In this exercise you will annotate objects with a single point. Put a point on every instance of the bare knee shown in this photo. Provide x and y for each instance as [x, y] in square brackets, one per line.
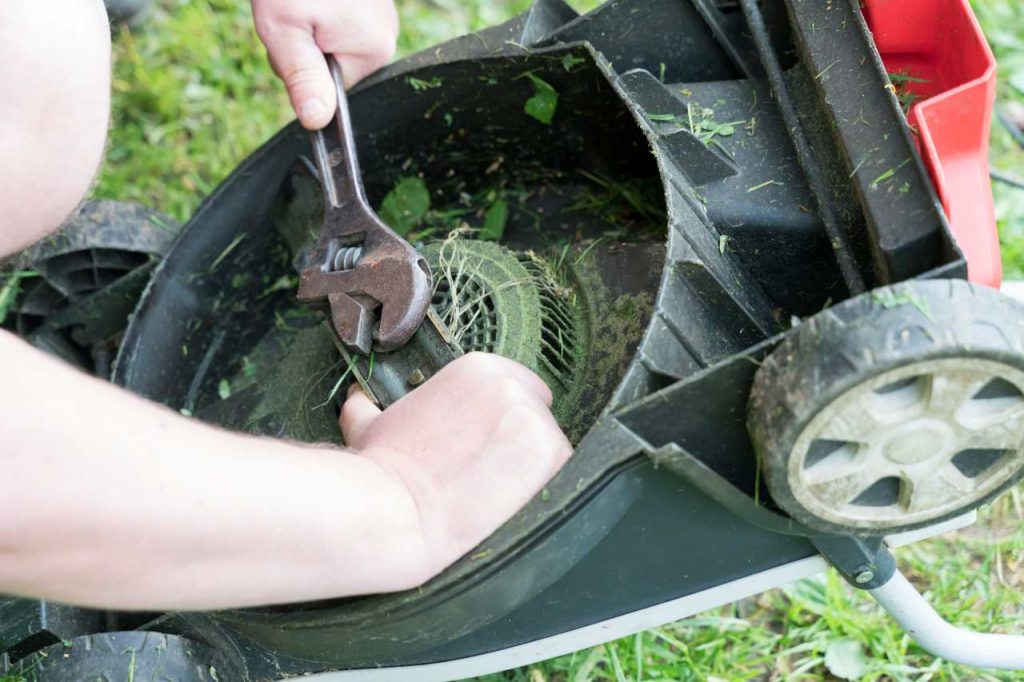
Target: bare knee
[54, 111]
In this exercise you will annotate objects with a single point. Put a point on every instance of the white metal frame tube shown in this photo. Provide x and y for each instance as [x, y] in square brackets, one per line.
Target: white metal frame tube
[906, 605]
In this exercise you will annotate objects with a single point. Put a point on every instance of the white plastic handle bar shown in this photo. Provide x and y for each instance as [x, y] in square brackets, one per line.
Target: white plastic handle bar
[919, 619]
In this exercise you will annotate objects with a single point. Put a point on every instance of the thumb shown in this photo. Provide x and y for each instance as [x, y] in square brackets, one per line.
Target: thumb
[295, 57]
[357, 414]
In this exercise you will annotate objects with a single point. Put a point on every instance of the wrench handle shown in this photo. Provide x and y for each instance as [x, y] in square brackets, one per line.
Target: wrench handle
[342, 180]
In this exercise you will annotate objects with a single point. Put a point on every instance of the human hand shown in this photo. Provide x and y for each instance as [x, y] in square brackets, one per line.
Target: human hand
[472, 446]
[361, 35]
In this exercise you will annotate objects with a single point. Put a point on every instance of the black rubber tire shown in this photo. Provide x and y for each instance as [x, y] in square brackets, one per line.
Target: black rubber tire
[118, 243]
[863, 338]
[122, 656]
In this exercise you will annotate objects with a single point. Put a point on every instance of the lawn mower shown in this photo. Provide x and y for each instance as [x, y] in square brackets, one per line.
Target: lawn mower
[750, 246]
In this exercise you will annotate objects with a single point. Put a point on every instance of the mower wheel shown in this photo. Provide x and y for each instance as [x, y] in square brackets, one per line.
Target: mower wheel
[123, 656]
[895, 409]
[72, 294]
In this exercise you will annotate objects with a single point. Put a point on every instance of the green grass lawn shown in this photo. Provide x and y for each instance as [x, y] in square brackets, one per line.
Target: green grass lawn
[193, 96]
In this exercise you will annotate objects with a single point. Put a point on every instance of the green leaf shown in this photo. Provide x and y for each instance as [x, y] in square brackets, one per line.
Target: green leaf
[544, 102]
[905, 77]
[845, 658]
[283, 283]
[405, 205]
[570, 62]
[494, 221]
[10, 288]
[224, 389]
[419, 85]
[8, 294]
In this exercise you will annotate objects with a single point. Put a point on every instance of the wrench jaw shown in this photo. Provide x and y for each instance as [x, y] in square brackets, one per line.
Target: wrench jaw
[377, 305]
[353, 322]
[405, 297]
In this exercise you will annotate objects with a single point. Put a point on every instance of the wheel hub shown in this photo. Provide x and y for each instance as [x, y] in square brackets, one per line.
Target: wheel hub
[920, 440]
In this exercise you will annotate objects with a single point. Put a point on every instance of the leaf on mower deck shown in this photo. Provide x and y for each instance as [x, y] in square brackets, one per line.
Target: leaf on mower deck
[405, 205]
[494, 221]
[10, 287]
[845, 658]
[544, 102]
[570, 62]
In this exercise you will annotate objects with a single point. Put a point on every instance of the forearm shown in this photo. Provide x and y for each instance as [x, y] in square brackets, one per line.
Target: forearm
[111, 500]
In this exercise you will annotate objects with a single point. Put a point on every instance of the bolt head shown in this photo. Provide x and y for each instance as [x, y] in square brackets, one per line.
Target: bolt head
[864, 577]
[416, 378]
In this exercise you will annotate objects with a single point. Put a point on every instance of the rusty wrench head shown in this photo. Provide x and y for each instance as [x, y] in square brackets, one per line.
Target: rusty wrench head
[375, 283]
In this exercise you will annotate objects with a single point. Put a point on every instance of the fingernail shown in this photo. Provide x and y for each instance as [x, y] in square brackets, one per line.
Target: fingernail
[311, 110]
